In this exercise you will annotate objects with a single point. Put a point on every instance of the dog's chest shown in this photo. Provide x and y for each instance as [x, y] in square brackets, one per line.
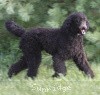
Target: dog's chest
[70, 47]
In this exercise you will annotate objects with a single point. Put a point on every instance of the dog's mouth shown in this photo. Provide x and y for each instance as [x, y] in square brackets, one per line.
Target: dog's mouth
[83, 30]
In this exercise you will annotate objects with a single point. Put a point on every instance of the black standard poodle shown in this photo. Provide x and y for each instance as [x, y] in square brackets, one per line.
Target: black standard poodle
[62, 43]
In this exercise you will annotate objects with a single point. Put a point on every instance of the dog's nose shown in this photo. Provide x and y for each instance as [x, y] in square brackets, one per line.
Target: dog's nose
[83, 25]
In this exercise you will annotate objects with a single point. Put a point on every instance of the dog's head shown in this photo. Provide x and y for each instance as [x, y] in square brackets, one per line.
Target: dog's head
[79, 21]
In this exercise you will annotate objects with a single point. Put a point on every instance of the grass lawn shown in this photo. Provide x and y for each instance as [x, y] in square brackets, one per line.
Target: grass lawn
[74, 83]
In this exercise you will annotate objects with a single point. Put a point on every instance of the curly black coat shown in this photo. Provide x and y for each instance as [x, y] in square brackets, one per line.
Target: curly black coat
[63, 43]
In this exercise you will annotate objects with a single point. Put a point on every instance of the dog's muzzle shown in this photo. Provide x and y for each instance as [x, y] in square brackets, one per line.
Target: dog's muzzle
[83, 28]
[83, 31]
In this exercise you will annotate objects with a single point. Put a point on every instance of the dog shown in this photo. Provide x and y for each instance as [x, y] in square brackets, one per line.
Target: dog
[62, 43]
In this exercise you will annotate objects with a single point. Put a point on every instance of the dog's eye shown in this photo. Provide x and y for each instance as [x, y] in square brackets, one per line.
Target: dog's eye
[87, 23]
[78, 21]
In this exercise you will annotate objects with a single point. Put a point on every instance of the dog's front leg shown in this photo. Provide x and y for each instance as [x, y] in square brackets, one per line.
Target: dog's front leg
[59, 66]
[83, 65]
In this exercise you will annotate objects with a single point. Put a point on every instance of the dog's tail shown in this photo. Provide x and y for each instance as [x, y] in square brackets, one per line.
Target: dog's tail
[14, 28]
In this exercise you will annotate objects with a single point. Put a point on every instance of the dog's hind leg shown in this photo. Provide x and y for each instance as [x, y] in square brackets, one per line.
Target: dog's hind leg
[33, 64]
[17, 67]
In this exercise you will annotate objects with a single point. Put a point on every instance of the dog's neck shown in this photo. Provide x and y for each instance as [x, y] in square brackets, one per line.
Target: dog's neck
[71, 32]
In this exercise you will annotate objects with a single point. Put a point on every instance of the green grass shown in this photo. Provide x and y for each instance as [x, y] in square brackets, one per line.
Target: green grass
[74, 83]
